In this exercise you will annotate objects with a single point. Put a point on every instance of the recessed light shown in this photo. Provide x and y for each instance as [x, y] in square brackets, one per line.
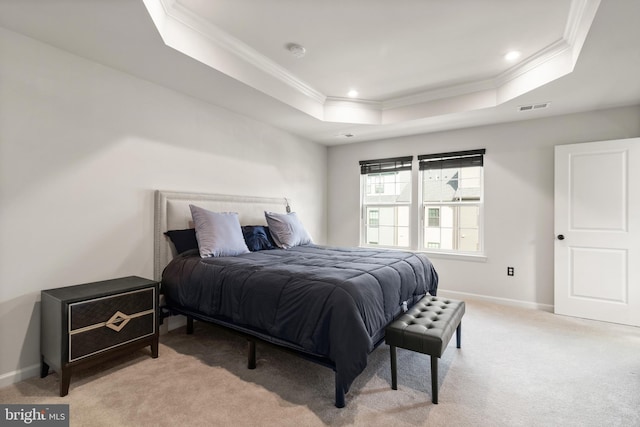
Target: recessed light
[352, 93]
[512, 56]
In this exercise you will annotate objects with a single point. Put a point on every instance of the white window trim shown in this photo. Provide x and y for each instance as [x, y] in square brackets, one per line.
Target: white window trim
[410, 205]
[460, 256]
[480, 255]
[416, 244]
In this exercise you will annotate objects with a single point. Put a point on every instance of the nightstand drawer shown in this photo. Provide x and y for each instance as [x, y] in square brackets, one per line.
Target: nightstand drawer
[92, 341]
[103, 323]
[87, 313]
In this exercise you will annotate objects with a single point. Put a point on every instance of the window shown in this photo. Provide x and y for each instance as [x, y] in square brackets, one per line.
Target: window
[386, 201]
[434, 217]
[449, 206]
[451, 200]
[374, 217]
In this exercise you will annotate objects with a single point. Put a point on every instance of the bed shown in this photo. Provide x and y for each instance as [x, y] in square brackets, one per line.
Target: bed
[327, 304]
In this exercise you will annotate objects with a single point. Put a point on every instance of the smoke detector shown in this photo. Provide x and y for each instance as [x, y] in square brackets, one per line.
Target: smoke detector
[296, 50]
[345, 135]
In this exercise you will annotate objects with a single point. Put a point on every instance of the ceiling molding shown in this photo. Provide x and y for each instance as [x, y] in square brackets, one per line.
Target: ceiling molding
[440, 93]
[581, 14]
[547, 54]
[372, 105]
[182, 29]
[357, 111]
[186, 32]
[245, 52]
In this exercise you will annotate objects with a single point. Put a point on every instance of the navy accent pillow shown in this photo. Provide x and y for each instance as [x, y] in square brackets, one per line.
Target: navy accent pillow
[257, 237]
[183, 240]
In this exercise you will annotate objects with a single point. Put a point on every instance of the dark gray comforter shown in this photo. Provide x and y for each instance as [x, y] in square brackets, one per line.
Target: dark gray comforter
[332, 302]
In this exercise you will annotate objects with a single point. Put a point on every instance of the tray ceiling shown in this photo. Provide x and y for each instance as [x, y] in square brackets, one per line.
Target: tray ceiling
[418, 65]
[407, 59]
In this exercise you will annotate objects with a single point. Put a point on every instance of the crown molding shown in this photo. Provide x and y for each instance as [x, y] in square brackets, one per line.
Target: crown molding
[581, 14]
[179, 13]
[438, 94]
[180, 26]
[559, 47]
[365, 103]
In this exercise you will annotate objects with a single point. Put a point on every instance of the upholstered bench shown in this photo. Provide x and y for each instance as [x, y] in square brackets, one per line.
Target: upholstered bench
[426, 328]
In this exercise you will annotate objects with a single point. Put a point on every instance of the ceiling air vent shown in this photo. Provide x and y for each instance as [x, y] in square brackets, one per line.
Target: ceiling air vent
[532, 107]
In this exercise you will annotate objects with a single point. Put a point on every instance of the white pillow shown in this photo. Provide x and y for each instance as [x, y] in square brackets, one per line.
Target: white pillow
[287, 230]
[218, 233]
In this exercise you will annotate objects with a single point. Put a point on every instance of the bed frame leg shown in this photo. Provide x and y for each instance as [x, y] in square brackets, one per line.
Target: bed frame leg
[251, 363]
[189, 325]
[339, 394]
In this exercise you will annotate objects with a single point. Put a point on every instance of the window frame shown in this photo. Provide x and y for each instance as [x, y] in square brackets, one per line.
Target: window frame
[382, 166]
[417, 210]
[423, 206]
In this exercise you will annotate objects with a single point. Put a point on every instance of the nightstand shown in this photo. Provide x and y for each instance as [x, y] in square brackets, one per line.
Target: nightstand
[84, 324]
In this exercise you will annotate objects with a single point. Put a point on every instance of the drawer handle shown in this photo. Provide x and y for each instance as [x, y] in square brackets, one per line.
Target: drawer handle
[118, 321]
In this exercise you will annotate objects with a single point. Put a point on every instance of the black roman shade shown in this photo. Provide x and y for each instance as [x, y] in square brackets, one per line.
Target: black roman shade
[457, 159]
[393, 164]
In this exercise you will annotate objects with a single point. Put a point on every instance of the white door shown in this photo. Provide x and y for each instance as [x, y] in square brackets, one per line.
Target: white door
[597, 230]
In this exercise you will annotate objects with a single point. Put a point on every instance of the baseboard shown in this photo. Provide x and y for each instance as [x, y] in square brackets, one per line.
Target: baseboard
[19, 375]
[497, 300]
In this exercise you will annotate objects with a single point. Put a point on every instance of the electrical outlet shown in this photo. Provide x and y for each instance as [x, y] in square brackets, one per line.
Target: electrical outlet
[510, 271]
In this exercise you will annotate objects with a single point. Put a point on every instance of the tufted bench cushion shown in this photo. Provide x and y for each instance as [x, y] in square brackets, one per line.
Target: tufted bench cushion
[426, 328]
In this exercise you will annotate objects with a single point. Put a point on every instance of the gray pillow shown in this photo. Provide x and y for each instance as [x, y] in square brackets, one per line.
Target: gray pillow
[218, 233]
[287, 230]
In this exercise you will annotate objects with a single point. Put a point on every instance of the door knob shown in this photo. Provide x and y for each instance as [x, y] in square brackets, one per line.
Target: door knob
[560, 236]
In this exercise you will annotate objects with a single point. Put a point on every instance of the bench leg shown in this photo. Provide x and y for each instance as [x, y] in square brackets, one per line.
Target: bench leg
[459, 334]
[434, 379]
[189, 325]
[394, 368]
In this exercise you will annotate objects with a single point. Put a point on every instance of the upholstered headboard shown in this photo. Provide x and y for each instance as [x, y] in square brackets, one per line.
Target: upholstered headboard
[172, 213]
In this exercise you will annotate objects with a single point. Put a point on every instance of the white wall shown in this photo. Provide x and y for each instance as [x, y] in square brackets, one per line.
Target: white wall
[518, 196]
[83, 147]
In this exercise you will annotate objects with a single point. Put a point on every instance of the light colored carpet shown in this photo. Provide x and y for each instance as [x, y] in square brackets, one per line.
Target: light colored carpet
[516, 367]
